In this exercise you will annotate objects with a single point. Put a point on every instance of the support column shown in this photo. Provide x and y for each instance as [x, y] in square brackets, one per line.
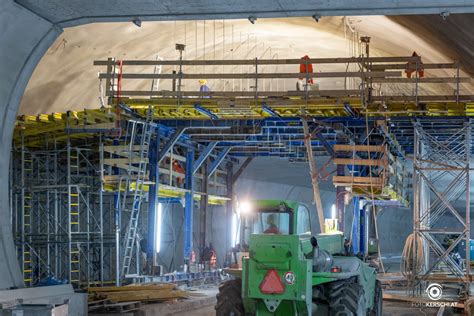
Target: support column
[340, 195]
[152, 200]
[230, 203]
[188, 207]
[203, 210]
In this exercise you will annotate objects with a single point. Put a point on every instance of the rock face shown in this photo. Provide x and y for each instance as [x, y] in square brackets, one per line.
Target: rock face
[66, 78]
[453, 36]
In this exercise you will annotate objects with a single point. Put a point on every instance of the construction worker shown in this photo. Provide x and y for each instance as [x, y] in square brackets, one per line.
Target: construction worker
[180, 170]
[304, 70]
[272, 226]
[208, 257]
[412, 67]
[203, 87]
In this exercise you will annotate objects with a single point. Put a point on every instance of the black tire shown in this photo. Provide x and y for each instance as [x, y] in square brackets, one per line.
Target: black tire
[229, 299]
[378, 300]
[346, 298]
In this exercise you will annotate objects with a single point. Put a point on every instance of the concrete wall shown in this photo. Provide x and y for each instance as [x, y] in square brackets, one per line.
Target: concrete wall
[24, 37]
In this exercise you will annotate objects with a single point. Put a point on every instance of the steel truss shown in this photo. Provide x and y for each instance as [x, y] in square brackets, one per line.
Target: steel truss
[442, 204]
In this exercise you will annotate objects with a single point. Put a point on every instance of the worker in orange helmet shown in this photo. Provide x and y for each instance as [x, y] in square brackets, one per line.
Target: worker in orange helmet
[412, 67]
[180, 170]
[304, 70]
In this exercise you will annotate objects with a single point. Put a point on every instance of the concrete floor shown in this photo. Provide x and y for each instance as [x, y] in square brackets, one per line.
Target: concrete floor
[203, 305]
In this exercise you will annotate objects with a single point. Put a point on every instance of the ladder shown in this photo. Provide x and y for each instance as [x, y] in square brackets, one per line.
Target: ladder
[136, 183]
[155, 84]
[124, 167]
[27, 204]
[74, 228]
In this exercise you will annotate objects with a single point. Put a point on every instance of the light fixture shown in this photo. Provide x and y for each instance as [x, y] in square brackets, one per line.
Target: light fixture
[180, 47]
[234, 229]
[158, 222]
[137, 22]
[333, 211]
[444, 15]
[317, 17]
[244, 207]
[252, 19]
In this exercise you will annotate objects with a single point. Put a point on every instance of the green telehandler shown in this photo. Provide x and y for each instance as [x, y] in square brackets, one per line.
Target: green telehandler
[287, 271]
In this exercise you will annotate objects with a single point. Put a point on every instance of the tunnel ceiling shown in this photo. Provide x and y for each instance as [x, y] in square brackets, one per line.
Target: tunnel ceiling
[72, 12]
[66, 79]
[453, 36]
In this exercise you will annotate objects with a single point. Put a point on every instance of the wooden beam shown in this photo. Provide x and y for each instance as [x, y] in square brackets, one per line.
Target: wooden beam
[349, 180]
[314, 176]
[352, 148]
[360, 162]
[343, 60]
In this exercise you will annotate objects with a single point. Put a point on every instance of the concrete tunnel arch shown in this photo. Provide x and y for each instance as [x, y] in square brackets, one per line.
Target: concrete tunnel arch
[28, 28]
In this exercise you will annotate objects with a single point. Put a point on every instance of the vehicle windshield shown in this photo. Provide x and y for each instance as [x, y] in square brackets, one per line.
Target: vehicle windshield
[271, 223]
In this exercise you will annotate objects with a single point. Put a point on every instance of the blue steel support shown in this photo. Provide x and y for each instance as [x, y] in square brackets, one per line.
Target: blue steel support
[205, 111]
[205, 153]
[229, 205]
[340, 195]
[356, 231]
[358, 223]
[325, 143]
[218, 160]
[153, 197]
[177, 134]
[188, 206]
[270, 111]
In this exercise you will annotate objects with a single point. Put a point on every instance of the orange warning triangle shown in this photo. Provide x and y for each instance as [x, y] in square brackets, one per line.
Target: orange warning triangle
[272, 283]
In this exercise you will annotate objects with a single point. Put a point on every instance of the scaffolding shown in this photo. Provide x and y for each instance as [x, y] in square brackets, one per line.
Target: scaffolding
[79, 193]
[58, 214]
[442, 207]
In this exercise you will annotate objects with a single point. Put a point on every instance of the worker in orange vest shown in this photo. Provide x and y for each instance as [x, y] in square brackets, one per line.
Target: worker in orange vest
[411, 68]
[180, 170]
[304, 70]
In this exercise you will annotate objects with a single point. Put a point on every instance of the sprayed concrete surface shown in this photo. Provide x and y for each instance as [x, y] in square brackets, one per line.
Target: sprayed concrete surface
[66, 78]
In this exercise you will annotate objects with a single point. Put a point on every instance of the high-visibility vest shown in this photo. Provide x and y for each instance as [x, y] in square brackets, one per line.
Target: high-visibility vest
[303, 69]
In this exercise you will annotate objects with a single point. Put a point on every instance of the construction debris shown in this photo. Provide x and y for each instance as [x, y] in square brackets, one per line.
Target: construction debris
[120, 299]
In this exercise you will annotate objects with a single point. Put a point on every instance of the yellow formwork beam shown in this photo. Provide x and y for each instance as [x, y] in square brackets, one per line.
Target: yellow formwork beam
[37, 129]
[166, 191]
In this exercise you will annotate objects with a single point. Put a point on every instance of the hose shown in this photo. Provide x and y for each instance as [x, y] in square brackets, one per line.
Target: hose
[408, 263]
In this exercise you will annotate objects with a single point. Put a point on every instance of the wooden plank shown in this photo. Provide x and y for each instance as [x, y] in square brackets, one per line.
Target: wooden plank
[360, 162]
[352, 148]
[357, 180]
[340, 74]
[131, 288]
[298, 61]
